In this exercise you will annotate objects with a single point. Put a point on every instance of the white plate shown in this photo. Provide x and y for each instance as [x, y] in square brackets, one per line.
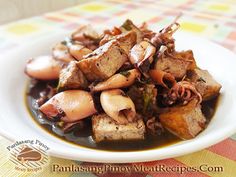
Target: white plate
[16, 123]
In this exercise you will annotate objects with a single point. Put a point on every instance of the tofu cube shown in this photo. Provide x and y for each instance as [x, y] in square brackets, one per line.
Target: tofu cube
[106, 129]
[72, 78]
[103, 62]
[184, 121]
[128, 25]
[206, 85]
[126, 40]
[177, 66]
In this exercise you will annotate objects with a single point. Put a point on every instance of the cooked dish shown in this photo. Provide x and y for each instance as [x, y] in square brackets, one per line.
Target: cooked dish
[125, 89]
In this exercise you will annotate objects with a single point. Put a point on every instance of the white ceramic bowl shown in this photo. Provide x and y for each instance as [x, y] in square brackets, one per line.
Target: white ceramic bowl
[16, 123]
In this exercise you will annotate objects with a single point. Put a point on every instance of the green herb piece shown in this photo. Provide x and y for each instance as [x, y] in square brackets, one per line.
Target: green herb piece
[125, 73]
[126, 25]
[60, 124]
[201, 79]
[148, 97]
[64, 42]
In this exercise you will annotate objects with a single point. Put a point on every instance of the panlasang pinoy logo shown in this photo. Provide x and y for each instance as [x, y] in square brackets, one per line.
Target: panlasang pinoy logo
[28, 155]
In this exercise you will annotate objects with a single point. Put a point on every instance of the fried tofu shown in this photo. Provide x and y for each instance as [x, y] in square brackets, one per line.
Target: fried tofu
[186, 121]
[206, 85]
[72, 78]
[128, 25]
[103, 62]
[126, 40]
[177, 65]
[106, 129]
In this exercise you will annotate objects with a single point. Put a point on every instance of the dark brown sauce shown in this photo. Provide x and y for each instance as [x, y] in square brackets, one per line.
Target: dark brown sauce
[83, 137]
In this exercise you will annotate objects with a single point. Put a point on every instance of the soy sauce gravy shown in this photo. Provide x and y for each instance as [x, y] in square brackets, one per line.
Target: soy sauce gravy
[83, 136]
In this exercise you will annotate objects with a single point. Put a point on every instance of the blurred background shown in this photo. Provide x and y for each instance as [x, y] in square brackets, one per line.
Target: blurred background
[12, 10]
